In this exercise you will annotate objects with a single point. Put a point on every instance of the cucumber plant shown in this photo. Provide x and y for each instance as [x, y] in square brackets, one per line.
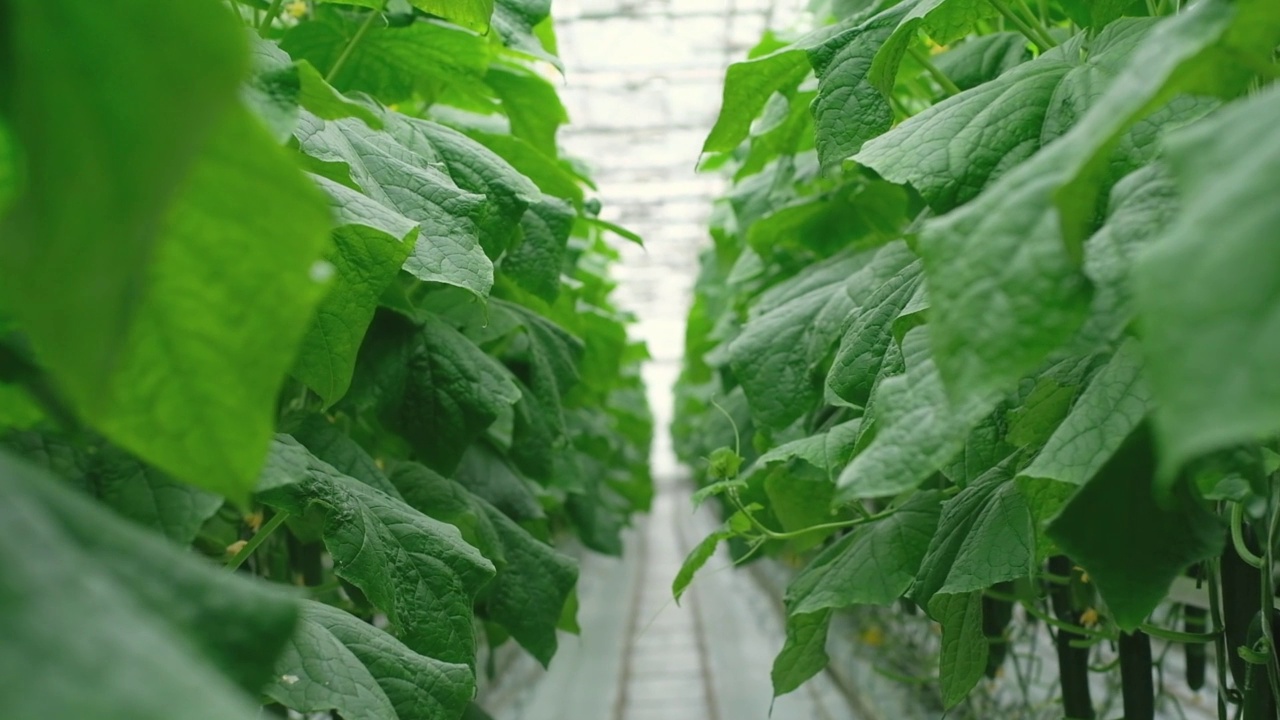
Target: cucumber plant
[991, 288]
[309, 367]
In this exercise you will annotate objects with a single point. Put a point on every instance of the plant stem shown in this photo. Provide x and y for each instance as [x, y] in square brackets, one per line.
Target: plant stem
[355, 40]
[1047, 618]
[1269, 593]
[1177, 636]
[1219, 642]
[938, 76]
[263, 533]
[1034, 22]
[1021, 25]
[1237, 537]
[272, 13]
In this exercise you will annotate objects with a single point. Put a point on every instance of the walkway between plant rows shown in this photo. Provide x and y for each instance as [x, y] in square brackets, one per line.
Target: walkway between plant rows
[643, 81]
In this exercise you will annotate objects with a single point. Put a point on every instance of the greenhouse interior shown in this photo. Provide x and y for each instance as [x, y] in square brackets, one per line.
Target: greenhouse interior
[640, 360]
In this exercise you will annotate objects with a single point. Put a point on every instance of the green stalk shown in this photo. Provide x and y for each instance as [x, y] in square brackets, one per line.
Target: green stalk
[273, 12]
[263, 533]
[1237, 537]
[355, 40]
[950, 88]
[1269, 594]
[1027, 31]
[1034, 23]
[1219, 642]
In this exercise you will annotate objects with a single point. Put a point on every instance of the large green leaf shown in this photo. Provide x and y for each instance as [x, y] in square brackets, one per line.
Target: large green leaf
[857, 69]
[803, 653]
[952, 150]
[918, 429]
[524, 25]
[964, 648]
[149, 632]
[336, 661]
[828, 451]
[983, 58]
[536, 263]
[779, 356]
[1004, 270]
[193, 391]
[529, 593]
[371, 242]
[324, 439]
[1207, 287]
[889, 281]
[873, 565]
[1117, 508]
[98, 167]
[747, 87]
[530, 103]
[417, 570]
[448, 248]
[986, 535]
[1115, 402]
[390, 63]
[533, 581]
[475, 169]
[432, 385]
[472, 14]
[122, 483]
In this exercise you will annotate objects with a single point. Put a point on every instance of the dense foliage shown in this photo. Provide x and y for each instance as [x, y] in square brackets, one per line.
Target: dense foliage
[992, 308]
[306, 290]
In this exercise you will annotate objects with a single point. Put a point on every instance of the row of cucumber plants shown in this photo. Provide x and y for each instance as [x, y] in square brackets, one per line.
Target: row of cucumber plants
[988, 331]
[308, 360]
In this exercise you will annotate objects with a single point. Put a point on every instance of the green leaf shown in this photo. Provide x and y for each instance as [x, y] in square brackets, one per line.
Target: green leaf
[278, 87]
[119, 481]
[804, 652]
[986, 535]
[918, 428]
[530, 103]
[551, 177]
[696, 558]
[1003, 270]
[390, 63]
[10, 167]
[951, 150]
[1141, 205]
[1114, 403]
[490, 477]
[964, 648]
[323, 439]
[983, 58]
[888, 283]
[873, 565]
[507, 193]
[337, 661]
[525, 26]
[193, 391]
[1117, 508]
[536, 263]
[417, 570]
[1210, 335]
[96, 167]
[371, 242]
[747, 87]
[448, 248]
[150, 632]
[531, 590]
[151, 498]
[828, 451]
[788, 334]
[857, 69]
[470, 14]
[446, 500]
